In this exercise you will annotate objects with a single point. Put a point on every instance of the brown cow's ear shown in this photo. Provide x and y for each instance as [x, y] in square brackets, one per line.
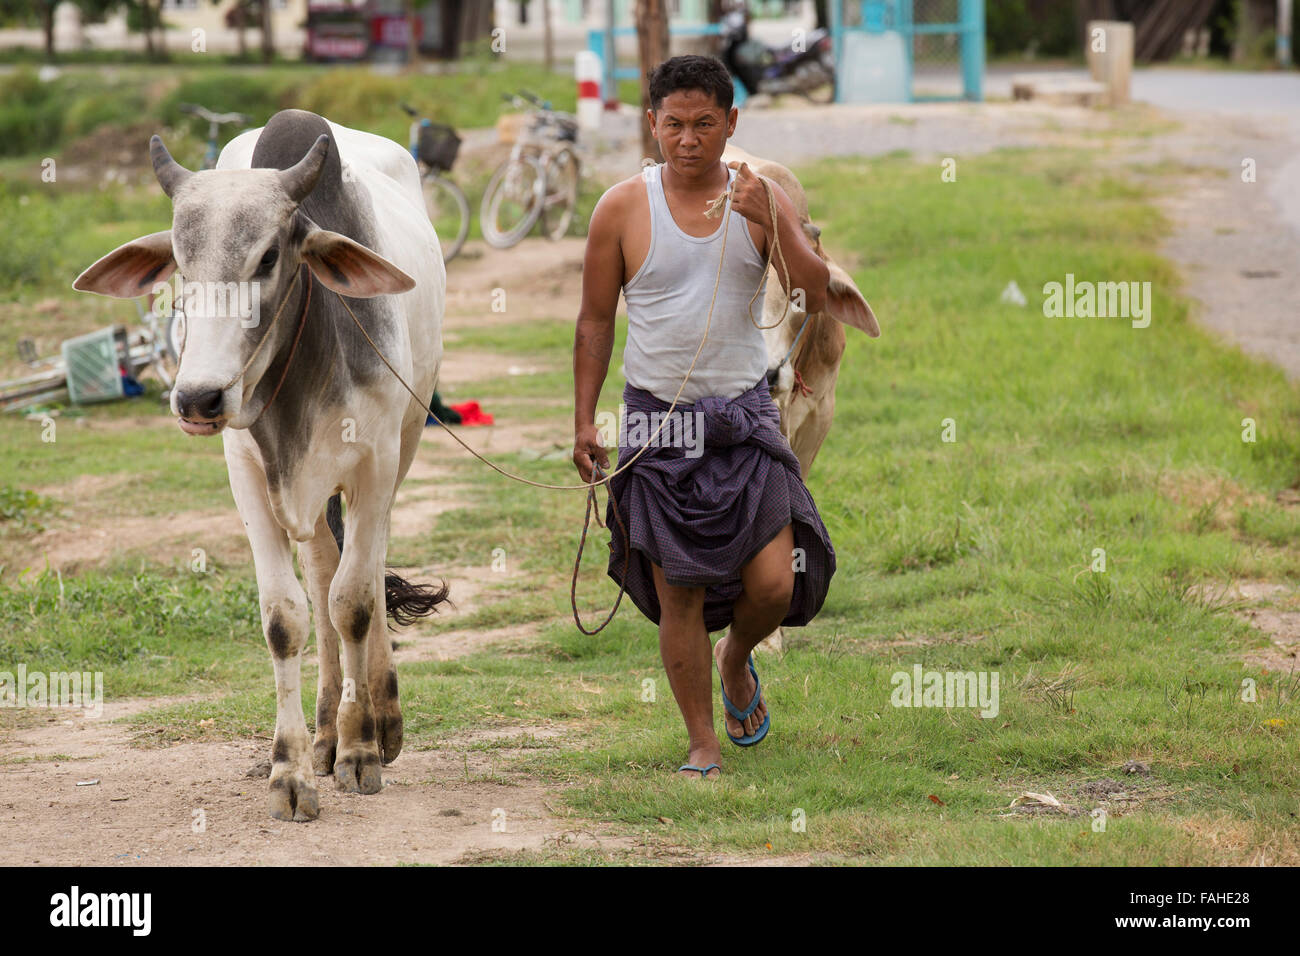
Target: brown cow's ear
[351, 269]
[130, 270]
[845, 303]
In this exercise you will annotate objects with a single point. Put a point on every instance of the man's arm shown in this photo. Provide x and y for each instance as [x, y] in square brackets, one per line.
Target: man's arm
[593, 340]
[807, 270]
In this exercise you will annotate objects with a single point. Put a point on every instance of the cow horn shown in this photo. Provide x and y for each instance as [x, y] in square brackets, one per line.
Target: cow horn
[169, 172]
[299, 179]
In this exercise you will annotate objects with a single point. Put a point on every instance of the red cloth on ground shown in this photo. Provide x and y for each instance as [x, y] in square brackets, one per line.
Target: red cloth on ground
[471, 414]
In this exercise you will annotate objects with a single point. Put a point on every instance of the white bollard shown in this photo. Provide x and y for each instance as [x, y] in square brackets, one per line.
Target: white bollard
[586, 69]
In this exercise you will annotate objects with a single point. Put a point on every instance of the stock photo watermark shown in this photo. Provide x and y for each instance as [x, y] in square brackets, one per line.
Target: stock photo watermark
[1098, 300]
[946, 689]
[674, 429]
[71, 690]
[129, 910]
[198, 300]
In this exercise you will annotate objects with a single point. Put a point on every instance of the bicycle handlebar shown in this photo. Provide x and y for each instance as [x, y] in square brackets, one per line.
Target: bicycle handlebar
[517, 99]
[220, 118]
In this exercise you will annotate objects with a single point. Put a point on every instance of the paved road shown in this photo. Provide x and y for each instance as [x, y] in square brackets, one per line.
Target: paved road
[1176, 88]
[1215, 94]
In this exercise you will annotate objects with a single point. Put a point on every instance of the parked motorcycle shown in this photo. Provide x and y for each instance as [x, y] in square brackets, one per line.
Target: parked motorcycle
[809, 71]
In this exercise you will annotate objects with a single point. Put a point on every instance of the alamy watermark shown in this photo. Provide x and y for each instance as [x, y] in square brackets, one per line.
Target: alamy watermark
[683, 430]
[73, 689]
[242, 300]
[1100, 300]
[128, 910]
[922, 688]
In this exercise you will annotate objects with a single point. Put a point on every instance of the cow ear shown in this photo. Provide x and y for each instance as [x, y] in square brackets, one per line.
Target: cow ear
[351, 269]
[130, 270]
[845, 303]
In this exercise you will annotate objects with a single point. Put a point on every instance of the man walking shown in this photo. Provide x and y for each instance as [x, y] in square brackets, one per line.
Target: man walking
[727, 534]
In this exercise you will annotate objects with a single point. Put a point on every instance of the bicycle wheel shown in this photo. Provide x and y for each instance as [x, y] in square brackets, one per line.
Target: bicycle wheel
[818, 84]
[561, 194]
[448, 211]
[512, 202]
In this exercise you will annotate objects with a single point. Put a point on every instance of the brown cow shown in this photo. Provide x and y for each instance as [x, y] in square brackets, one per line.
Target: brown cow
[804, 385]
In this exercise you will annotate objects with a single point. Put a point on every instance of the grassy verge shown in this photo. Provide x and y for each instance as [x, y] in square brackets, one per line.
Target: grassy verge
[44, 116]
[977, 554]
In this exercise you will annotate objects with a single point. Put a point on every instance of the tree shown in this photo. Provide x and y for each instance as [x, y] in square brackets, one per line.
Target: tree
[43, 11]
[150, 23]
[238, 18]
[714, 14]
[412, 37]
[652, 49]
[26, 10]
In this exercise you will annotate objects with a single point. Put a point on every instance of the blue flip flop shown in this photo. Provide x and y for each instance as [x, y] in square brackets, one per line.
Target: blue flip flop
[704, 771]
[742, 715]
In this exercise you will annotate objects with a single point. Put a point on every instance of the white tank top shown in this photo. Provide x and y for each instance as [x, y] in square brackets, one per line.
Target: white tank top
[668, 304]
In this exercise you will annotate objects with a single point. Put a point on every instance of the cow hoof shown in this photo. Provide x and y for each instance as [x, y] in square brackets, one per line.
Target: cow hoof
[358, 773]
[294, 797]
[322, 758]
[390, 735]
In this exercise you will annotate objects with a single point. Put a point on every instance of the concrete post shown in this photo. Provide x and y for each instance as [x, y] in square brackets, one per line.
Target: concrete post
[1108, 45]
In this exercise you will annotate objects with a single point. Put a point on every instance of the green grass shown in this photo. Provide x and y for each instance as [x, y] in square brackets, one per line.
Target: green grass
[151, 630]
[1071, 435]
[40, 115]
[56, 229]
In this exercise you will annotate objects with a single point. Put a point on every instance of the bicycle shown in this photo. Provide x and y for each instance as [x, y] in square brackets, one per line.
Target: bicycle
[434, 147]
[215, 122]
[539, 182]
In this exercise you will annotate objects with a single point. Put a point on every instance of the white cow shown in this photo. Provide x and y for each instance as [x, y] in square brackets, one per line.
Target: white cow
[303, 209]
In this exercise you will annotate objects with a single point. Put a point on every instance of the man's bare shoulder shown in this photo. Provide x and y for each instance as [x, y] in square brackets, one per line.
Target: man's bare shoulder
[617, 199]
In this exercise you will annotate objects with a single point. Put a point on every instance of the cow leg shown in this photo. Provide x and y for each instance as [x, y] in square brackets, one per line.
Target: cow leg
[357, 609]
[383, 685]
[320, 556]
[285, 623]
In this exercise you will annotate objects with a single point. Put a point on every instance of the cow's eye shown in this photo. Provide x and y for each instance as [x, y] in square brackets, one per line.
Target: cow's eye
[268, 260]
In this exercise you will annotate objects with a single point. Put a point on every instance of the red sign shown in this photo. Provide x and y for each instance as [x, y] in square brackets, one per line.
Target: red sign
[393, 31]
[338, 47]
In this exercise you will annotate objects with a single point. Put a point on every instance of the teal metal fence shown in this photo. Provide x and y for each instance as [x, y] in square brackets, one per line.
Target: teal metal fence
[913, 50]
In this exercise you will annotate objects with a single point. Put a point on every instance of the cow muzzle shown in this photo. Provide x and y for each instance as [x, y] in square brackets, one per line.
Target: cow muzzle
[200, 411]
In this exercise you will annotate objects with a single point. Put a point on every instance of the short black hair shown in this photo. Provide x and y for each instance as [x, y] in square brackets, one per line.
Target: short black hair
[707, 74]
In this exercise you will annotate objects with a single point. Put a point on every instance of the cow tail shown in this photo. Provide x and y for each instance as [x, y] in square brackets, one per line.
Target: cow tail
[406, 602]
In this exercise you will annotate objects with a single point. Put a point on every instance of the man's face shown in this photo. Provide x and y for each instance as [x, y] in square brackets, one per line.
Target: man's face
[692, 130]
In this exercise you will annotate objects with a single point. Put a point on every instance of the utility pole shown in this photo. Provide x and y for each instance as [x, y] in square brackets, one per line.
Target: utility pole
[652, 49]
[548, 37]
[268, 41]
[1284, 33]
[412, 37]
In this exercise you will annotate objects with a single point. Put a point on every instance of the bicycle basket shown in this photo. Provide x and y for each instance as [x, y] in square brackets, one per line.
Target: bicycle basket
[438, 145]
[552, 127]
[566, 129]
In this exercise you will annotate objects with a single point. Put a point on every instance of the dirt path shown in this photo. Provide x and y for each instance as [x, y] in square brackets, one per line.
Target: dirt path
[196, 803]
[1237, 241]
